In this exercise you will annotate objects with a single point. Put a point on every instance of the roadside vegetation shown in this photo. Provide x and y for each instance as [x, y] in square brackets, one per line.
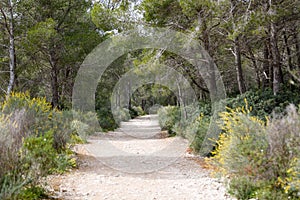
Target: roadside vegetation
[258, 149]
[35, 141]
[254, 45]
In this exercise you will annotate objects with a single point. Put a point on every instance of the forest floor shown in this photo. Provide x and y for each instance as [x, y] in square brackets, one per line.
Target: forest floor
[136, 162]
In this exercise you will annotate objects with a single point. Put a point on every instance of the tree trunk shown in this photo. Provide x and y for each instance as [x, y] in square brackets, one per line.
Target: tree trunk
[266, 66]
[277, 72]
[12, 53]
[238, 64]
[212, 87]
[297, 46]
[255, 67]
[288, 51]
[54, 79]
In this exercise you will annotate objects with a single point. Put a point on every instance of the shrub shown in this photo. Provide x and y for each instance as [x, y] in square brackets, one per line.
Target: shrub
[194, 130]
[284, 150]
[154, 109]
[106, 119]
[263, 103]
[41, 158]
[138, 110]
[32, 193]
[242, 145]
[121, 114]
[84, 123]
[252, 152]
[168, 117]
[197, 131]
[33, 143]
[242, 188]
[10, 163]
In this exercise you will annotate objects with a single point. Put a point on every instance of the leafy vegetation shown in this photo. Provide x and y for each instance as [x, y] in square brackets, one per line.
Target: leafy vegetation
[259, 157]
[35, 141]
[255, 44]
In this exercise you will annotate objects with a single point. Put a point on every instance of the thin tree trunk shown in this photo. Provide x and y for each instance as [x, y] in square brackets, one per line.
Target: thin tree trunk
[237, 51]
[12, 53]
[277, 72]
[255, 67]
[238, 64]
[54, 79]
[297, 46]
[212, 87]
[288, 51]
[266, 67]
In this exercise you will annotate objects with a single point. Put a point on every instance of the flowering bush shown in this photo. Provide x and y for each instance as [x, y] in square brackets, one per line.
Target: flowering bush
[261, 159]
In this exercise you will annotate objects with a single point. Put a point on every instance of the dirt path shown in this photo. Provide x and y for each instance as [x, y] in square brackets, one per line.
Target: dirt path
[134, 163]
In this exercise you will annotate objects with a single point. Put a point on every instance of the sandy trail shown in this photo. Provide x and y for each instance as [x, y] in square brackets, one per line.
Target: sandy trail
[134, 163]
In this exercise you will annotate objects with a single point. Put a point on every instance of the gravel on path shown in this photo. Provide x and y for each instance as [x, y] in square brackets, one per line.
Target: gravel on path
[135, 163]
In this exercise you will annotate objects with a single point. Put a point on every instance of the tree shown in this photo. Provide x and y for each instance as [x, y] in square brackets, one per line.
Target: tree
[7, 11]
[59, 35]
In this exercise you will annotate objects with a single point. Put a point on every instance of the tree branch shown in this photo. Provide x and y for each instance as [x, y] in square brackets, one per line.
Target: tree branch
[5, 20]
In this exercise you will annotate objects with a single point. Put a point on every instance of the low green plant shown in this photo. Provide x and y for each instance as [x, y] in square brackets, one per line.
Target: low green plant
[168, 116]
[242, 188]
[138, 110]
[32, 193]
[121, 114]
[106, 119]
[197, 131]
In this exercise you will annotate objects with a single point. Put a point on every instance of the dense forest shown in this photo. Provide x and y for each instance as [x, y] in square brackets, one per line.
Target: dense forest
[254, 44]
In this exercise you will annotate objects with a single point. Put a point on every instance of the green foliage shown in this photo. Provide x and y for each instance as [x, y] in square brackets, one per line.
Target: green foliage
[136, 111]
[84, 123]
[168, 117]
[32, 193]
[242, 188]
[197, 131]
[106, 119]
[159, 10]
[121, 114]
[194, 128]
[106, 15]
[34, 142]
[103, 17]
[41, 156]
[255, 153]
[42, 34]
[263, 103]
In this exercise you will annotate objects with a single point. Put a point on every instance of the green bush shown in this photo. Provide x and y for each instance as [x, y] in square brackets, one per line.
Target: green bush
[138, 110]
[33, 143]
[106, 119]
[168, 116]
[263, 103]
[242, 145]
[32, 193]
[194, 128]
[197, 132]
[242, 188]
[255, 153]
[41, 158]
[84, 124]
[154, 109]
[121, 114]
